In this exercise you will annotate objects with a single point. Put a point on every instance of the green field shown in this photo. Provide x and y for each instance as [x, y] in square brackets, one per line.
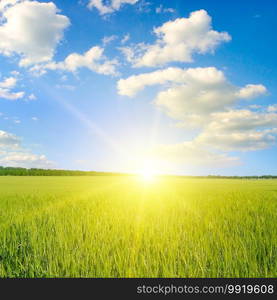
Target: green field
[120, 226]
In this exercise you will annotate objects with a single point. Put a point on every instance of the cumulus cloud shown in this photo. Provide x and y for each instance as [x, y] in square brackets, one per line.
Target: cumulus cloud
[93, 59]
[8, 140]
[4, 4]
[185, 101]
[237, 130]
[238, 141]
[242, 119]
[8, 83]
[24, 160]
[31, 30]
[177, 41]
[251, 91]
[6, 87]
[13, 154]
[134, 84]
[191, 92]
[240, 130]
[193, 153]
[203, 98]
[112, 6]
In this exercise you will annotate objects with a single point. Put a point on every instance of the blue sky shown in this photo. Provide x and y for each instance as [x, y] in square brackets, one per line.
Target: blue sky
[181, 87]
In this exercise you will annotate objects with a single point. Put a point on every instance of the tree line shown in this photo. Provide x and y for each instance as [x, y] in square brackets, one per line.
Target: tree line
[12, 171]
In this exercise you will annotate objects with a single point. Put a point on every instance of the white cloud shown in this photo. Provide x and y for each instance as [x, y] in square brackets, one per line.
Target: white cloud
[32, 97]
[272, 108]
[5, 89]
[251, 91]
[255, 106]
[68, 87]
[15, 73]
[4, 4]
[64, 78]
[205, 99]
[177, 41]
[134, 84]
[125, 38]
[93, 59]
[192, 153]
[237, 141]
[8, 83]
[112, 6]
[24, 160]
[108, 39]
[14, 155]
[35, 118]
[203, 149]
[8, 140]
[144, 6]
[237, 130]
[185, 101]
[192, 91]
[240, 130]
[161, 9]
[243, 119]
[32, 30]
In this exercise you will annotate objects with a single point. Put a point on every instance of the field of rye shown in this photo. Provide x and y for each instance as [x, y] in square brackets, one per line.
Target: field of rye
[122, 226]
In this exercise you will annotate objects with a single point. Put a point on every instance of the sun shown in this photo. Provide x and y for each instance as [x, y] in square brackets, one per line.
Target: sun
[148, 175]
[146, 169]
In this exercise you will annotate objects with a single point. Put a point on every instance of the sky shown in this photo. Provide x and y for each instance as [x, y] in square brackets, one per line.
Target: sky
[177, 87]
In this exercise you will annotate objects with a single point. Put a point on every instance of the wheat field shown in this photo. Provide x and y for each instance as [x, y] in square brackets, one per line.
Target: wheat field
[122, 226]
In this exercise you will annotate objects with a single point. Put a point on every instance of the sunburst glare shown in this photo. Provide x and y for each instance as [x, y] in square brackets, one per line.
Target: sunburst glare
[148, 175]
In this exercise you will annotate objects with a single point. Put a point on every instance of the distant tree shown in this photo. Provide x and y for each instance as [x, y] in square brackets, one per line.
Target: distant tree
[11, 171]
